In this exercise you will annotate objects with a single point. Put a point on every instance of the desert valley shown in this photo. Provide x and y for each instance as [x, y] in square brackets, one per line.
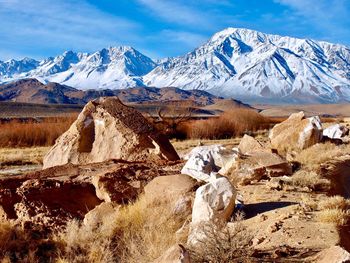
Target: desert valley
[238, 151]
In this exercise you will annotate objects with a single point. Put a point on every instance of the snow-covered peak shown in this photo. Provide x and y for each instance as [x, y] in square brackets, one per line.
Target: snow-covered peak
[250, 65]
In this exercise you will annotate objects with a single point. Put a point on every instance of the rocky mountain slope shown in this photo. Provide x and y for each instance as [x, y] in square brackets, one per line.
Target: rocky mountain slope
[239, 63]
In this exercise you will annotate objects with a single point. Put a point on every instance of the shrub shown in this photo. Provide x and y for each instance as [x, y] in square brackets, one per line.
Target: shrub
[17, 133]
[230, 124]
[228, 244]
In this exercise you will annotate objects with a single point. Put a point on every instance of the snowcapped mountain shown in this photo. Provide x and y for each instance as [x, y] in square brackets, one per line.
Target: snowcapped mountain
[253, 66]
[12, 67]
[115, 67]
[239, 63]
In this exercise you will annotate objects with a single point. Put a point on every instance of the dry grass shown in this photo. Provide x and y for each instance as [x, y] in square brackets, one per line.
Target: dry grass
[335, 216]
[310, 180]
[230, 124]
[334, 202]
[22, 156]
[335, 210]
[139, 232]
[17, 133]
[320, 153]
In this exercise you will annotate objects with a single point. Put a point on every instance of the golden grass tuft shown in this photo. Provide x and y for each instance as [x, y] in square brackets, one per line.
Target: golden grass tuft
[335, 209]
[335, 216]
[310, 179]
[320, 153]
[334, 202]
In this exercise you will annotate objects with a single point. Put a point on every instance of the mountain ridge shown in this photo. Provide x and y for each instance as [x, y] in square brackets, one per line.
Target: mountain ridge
[33, 91]
[240, 63]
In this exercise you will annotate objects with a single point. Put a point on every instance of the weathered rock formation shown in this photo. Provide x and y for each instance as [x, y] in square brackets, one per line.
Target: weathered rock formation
[108, 129]
[213, 206]
[259, 165]
[53, 196]
[296, 133]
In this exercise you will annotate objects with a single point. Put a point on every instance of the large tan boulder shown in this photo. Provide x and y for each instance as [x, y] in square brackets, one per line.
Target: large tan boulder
[101, 215]
[296, 133]
[108, 129]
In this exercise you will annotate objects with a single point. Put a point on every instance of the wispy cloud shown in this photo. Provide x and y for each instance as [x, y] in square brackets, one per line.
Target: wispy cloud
[329, 17]
[176, 12]
[174, 42]
[52, 25]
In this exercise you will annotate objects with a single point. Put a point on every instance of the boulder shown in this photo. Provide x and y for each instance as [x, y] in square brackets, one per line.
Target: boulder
[334, 254]
[260, 165]
[175, 254]
[336, 131]
[214, 201]
[203, 161]
[100, 215]
[170, 187]
[296, 133]
[177, 189]
[111, 188]
[249, 145]
[55, 195]
[108, 129]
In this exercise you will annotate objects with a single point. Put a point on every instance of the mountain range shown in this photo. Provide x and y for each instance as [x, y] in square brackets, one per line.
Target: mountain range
[240, 63]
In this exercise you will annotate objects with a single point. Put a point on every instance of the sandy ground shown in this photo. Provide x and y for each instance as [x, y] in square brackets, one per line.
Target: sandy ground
[339, 110]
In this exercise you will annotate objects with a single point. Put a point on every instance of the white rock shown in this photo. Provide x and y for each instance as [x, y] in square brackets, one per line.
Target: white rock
[204, 160]
[336, 131]
[214, 201]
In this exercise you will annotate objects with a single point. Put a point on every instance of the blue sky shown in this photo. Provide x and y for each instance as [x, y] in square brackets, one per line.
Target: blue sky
[158, 28]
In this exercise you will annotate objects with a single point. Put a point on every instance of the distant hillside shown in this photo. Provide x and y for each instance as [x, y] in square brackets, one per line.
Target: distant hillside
[33, 91]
